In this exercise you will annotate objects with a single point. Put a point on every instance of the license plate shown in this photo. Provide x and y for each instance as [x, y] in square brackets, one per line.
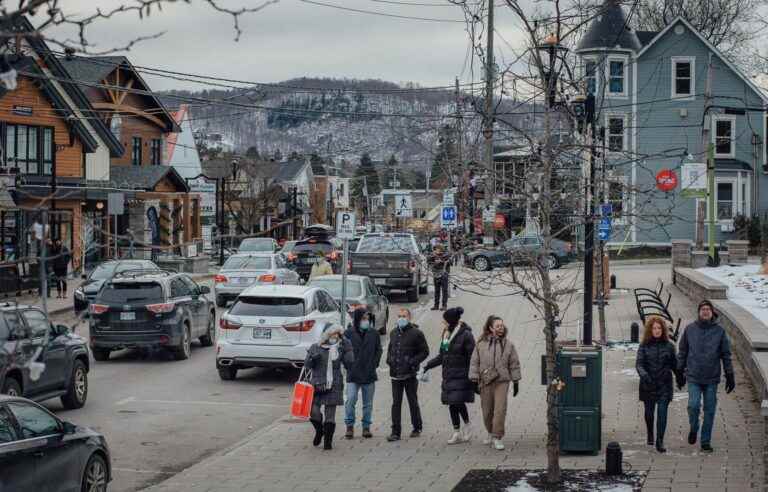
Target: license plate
[262, 333]
[380, 281]
[242, 280]
[127, 316]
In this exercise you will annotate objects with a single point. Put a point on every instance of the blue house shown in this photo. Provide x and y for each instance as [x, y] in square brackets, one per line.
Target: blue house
[650, 90]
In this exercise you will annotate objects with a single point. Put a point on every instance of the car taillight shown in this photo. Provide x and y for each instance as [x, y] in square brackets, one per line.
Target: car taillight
[98, 308]
[220, 279]
[226, 324]
[303, 326]
[412, 265]
[291, 257]
[267, 278]
[165, 307]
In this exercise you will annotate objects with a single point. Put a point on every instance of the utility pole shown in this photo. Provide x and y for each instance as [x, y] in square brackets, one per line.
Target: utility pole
[589, 234]
[598, 199]
[459, 146]
[294, 205]
[488, 127]
[710, 148]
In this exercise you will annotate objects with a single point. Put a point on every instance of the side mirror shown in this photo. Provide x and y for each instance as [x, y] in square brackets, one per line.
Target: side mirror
[204, 289]
[68, 428]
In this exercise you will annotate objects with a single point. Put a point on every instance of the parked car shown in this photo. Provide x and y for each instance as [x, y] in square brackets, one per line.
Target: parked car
[523, 249]
[23, 329]
[39, 451]
[86, 293]
[392, 261]
[162, 309]
[272, 326]
[301, 255]
[243, 270]
[361, 292]
[258, 245]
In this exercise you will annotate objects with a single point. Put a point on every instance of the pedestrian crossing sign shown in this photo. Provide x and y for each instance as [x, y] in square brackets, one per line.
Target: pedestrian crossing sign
[403, 206]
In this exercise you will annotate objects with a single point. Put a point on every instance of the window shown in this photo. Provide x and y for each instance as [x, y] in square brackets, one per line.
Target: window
[723, 134]
[179, 289]
[590, 76]
[30, 148]
[115, 125]
[330, 304]
[7, 431]
[616, 77]
[732, 197]
[617, 196]
[36, 322]
[156, 151]
[34, 421]
[616, 134]
[136, 151]
[287, 307]
[191, 285]
[683, 77]
[725, 200]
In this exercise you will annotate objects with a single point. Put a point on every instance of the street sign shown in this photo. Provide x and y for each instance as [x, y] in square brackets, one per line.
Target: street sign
[606, 209]
[499, 222]
[448, 198]
[403, 206]
[604, 229]
[116, 203]
[693, 180]
[489, 214]
[604, 234]
[448, 217]
[666, 180]
[345, 225]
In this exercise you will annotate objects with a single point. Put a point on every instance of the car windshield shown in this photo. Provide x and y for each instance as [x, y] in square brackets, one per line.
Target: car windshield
[386, 244]
[248, 263]
[313, 246]
[132, 292]
[286, 307]
[333, 286]
[107, 270]
[256, 244]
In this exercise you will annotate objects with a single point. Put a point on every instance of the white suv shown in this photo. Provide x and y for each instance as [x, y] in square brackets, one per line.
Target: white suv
[272, 326]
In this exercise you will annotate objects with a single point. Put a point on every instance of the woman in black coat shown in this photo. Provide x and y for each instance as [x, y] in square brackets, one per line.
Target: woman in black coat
[656, 363]
[455, 356]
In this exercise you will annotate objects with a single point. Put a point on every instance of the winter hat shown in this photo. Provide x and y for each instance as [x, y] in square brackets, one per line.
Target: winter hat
[452, 316]
[357, 316]
[329, 331]
[707, 302]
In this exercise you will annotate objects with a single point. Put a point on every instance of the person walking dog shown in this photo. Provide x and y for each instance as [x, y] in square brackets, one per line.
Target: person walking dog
[455, 355]
[703, 346]
[494, 365]
[324, 360]
[361, 376]
[656, 364]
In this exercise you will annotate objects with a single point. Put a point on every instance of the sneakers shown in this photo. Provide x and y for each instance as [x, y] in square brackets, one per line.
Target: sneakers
[456, 437]
[692, 437]
[416, 433]
[367, 433]
[487, 440]
[498, 445]
[350, 434]
[393, 437]
[466, 433]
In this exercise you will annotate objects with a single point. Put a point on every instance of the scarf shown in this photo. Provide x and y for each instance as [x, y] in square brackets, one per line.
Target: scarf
[333, 355]
[448, 337]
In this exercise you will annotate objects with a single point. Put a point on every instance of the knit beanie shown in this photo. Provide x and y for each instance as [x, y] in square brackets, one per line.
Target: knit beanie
[452, 316]
[707, 302]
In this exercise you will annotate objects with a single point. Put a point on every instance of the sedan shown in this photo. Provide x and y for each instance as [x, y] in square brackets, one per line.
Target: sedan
[361, 292]
[40, 452]
[523, 249]
[258, 245]
[86, 293]
[244, 270]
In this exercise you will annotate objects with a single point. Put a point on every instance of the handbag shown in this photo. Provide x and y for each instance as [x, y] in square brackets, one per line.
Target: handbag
[303, 395]
[489, 375]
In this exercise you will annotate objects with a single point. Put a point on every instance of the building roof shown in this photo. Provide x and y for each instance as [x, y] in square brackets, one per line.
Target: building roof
[289, 170]
[170, 140]
[145, 177]
[610, 30]
[645, 37]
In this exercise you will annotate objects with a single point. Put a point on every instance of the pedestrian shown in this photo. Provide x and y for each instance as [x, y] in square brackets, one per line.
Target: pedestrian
[455, 355]
[441, 268]
[324, 361]
[407, 350]
[656, 364]
[321, 267]
[494, 365]
[361, 376]
[703, 346]
[61, 259]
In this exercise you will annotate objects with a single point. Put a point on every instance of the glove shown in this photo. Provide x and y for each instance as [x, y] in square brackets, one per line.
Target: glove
[420, 373]
[680, 382]
[515, 388]
[476, 387]
[730, 383]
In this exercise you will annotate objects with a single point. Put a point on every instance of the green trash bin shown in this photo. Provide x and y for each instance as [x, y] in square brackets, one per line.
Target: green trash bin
[580, 409]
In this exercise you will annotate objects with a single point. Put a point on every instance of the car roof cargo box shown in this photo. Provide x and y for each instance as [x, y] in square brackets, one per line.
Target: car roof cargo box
[319, 230]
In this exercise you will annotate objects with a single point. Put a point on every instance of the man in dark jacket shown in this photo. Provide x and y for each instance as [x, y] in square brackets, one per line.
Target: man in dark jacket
[703, 346]
[441, 269]
[407, 350]
[361, 376]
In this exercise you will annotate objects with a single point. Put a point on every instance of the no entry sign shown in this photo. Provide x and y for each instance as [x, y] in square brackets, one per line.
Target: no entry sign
[666, 180]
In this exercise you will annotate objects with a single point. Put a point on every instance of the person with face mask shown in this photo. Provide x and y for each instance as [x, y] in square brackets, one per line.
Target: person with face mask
[361, 376]
[324, 361]
[407, 350]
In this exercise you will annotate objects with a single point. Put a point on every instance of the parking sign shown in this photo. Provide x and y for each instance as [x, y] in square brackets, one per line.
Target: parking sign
[345, 225]
[448, 217]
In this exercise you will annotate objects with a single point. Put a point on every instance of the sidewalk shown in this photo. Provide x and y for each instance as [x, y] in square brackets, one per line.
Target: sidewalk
[280, 457]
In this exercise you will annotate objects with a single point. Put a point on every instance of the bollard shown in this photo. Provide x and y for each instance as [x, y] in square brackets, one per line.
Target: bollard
[613, 282]
[613, 458]
[634, 332]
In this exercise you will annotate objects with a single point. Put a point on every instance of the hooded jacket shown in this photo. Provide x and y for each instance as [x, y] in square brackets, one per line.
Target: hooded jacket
[407, 350]
[366, 346]
[497, 353]
[320, 269]
[317, 363]
[702, 347]
[455, 359]
[656, 363]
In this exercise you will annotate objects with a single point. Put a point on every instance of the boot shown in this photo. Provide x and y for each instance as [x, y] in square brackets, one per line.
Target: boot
[455, 437]
[660, 445]
[328, 430]
[350, 434]
[649, 429]
[367, 433]
[318, 432]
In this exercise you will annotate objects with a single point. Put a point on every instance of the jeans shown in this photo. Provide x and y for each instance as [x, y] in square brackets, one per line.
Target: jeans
[351, 403]
[441, 285]
[316, 413]
[660, 408]
[410, 387]
[695, 393]
[456, 411]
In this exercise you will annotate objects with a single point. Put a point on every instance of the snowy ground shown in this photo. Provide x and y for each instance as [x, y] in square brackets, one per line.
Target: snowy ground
[745, 287]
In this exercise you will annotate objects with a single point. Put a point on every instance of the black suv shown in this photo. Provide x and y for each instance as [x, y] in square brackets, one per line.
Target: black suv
[151, 309]
[26, 330]
[88, 290]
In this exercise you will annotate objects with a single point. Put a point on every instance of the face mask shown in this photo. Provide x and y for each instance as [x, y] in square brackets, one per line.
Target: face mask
[402, 322]
[365, 324]
[333, 340]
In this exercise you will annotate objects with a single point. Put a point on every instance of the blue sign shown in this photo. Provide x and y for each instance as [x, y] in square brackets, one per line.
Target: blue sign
[449, 217]
[606, 209]
[604, 229]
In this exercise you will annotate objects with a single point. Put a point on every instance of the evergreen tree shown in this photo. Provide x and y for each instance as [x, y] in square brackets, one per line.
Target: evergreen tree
[252, 152]
[278, 155]
[365, 173]
[317, 164]
[446, 157]
[392, 162]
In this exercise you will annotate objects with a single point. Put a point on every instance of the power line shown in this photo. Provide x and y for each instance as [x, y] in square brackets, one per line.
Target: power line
[382, 14]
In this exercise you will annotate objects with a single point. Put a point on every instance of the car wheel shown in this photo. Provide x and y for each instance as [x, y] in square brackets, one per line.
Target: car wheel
[227, 373]
[100, 355]
[95, 475]
[221, 302]
[77, 392]
[210, 335]
[413, 294]
[550, 262]
[11, 387]
[481, 264]
[184, 350]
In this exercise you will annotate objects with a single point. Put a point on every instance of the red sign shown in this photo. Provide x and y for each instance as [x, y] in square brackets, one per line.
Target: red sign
[666, 180]
[499, 222]
[478, 223]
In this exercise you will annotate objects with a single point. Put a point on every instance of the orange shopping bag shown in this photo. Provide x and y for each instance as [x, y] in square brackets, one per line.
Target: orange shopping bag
[303, 394]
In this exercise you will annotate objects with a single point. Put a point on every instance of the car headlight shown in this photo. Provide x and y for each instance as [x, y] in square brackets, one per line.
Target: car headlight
[79, 294]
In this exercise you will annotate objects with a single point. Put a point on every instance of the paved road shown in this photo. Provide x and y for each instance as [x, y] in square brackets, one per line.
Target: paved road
[161, 416]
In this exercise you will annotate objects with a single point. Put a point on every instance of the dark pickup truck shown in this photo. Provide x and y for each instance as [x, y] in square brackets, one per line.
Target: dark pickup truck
[393, 262]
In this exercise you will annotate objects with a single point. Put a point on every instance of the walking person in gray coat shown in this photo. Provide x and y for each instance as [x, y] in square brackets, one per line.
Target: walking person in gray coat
[703, 346]
[324, 360]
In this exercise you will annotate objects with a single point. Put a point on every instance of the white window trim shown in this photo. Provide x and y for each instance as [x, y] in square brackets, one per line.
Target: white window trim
[608, 118]
[732, 119]
[625, 199]
[673, 77]
[593, 59]
[625, 60]
[736, 181]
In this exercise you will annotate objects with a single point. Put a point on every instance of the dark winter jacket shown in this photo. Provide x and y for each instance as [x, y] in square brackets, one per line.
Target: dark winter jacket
[61, 258]
[366, 345]
[656, 363]
[317, 362]
[702, 347]
[440, 263]
[456, 388]
[407, 350]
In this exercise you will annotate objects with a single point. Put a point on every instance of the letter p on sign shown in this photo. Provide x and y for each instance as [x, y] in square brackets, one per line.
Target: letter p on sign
[345, 225]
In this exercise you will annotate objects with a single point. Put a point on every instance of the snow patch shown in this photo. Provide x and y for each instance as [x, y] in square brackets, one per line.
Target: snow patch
[631, 373]
[745, 287]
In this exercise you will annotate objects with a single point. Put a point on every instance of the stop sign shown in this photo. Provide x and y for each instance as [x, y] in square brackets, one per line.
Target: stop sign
[499, 222]
[666, 180]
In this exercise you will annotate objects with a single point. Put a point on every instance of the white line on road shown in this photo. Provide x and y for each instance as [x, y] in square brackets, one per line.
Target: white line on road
[198, 402]
[149, 472]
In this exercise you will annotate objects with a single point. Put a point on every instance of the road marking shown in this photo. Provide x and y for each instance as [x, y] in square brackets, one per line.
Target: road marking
[198, 402]
[150, 472]
[125, 400]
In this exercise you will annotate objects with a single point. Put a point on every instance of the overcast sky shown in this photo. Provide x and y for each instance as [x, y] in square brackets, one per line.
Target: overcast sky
[294, 39]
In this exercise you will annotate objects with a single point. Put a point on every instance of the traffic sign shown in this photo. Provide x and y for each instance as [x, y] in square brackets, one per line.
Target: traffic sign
[448, 217]
[448, 198]
[606, 209]
[489, 214]
[345, 225]
[666, 180]
[604, 229]
[604, 234]
[403, 206]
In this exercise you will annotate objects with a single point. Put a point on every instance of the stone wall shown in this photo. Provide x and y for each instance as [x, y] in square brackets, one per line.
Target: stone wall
[739, 252]
[698, 286]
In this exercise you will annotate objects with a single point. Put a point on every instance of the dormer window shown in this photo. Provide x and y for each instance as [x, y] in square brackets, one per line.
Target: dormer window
[617, 77]
[590, 76]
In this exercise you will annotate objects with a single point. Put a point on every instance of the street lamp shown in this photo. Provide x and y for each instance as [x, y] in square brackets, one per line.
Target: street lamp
[551, 45]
